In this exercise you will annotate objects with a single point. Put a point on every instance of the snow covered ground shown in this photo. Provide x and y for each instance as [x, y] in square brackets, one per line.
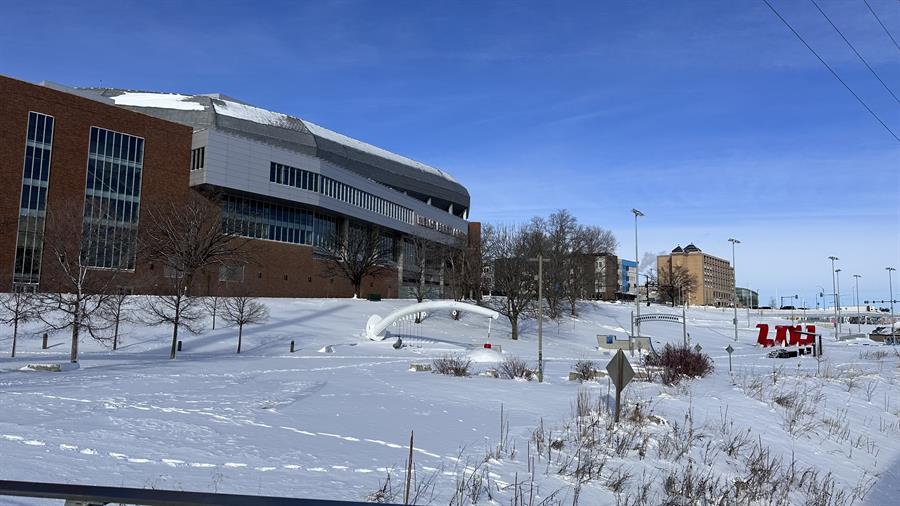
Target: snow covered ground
[334, 425]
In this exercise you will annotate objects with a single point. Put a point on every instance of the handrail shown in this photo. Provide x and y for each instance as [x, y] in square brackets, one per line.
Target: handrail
[92, 494]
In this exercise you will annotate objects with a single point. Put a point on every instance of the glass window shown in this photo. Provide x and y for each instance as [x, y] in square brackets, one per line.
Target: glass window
[33, 201]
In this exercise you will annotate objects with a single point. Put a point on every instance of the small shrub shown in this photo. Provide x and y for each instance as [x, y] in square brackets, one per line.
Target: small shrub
[585, 369]
[679, 363]
[514, 368]
[451, 365]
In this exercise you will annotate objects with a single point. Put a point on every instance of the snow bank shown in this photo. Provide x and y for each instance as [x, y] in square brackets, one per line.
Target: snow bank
[484, 355]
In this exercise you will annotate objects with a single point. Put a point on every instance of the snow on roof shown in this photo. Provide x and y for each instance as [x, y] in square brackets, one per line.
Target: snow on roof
[254, 114]
[374, 150]
[159, 100]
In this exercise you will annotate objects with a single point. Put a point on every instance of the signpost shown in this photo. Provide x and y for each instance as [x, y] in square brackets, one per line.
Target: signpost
[730, 350]
[621, 373]
[698, 348]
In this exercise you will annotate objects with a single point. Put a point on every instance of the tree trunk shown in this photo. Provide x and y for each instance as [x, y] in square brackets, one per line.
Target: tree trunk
[514, 325]
[175, 329]
[116, 335]
[73, 356]
[15, 333]
[240, 335]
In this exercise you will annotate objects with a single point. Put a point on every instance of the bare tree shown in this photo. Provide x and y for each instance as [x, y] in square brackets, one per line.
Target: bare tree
[464, 272]
[508, 249]
[115, 311]
[243, 310]
[675, 282]
[186, 237]
[427, 261]
[17, 307]
[78, 289]
[558, 246]
[355, 253]
[212, 304]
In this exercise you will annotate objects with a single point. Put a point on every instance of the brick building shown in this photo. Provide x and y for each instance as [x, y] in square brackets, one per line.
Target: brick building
[284, 182]
[713, 276]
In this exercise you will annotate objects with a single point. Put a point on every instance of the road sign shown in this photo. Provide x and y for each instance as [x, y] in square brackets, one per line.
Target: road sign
[698, 348]
[730, 350]
[621, 373]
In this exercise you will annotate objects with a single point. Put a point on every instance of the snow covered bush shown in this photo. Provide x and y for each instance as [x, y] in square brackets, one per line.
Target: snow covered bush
[680, 362]
[451, 365]
[586, 369]
[515, 368]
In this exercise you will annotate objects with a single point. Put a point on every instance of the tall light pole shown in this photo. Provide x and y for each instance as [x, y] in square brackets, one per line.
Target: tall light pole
[734, 284]
[637, 260]
[858, 316]
[540, 296]
[891, 294]
[834, 290]
[837, 298]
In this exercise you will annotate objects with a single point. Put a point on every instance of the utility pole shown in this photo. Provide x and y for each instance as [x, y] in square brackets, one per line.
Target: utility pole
[637, 260]
[834, 290]
[540, 296]
[734, 285]
[891, 289]
[858, 317]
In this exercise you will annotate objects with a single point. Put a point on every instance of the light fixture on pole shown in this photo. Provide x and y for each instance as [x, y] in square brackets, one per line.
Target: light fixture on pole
[858, 317]
[637, 261]
[891, 294]
[834, 292]
[734, 285]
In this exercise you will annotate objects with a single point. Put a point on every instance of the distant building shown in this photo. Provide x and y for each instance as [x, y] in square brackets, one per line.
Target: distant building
[606, 277]
[713, 276]
[627, 278]
[747, 297]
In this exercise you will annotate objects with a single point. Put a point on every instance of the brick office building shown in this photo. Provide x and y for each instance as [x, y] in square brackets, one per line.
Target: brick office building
[284, 182]
[59, 152]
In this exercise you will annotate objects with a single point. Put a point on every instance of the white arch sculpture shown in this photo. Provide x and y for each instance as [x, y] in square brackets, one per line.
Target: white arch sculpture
[376, 326]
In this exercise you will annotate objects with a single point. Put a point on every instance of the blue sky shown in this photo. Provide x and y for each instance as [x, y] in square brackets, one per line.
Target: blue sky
[708, 116]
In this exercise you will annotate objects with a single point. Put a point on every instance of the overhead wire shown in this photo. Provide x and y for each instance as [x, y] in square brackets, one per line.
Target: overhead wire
[853, 48]
[882, 25]
[836, 76]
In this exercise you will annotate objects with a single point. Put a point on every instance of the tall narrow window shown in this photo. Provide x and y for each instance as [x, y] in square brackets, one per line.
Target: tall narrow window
[33, 202]
[112, 199]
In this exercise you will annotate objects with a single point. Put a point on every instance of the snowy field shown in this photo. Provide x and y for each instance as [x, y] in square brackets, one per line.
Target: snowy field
[335, 424]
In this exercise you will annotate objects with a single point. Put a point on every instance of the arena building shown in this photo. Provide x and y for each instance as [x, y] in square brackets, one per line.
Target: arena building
[285, 182]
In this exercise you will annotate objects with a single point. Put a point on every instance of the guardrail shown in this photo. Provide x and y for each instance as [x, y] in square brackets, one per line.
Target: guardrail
[90, 495]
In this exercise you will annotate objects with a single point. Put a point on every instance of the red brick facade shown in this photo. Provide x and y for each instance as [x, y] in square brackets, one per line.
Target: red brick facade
[278, 270]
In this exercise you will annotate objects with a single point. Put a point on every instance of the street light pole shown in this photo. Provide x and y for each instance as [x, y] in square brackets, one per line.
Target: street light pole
[834, 290]
[858, 317]
[891, 294]
[837, 298]
[637, 260]
[540, 296]
[734, 285]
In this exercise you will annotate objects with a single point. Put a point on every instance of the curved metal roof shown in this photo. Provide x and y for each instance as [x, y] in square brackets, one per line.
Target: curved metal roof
[220, 111]
[691, 248]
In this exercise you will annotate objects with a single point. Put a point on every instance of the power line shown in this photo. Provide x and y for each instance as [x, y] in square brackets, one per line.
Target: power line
[863, 60]
[882, 25]
[813, 51]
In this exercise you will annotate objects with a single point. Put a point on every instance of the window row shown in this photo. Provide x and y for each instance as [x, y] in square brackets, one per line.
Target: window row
[124, 147]
[35, 173]
[112, 199]
[198, 158]
[311, 181]
[276, 222]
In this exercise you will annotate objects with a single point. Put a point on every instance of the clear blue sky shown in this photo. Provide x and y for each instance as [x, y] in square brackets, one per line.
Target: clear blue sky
[708, 116]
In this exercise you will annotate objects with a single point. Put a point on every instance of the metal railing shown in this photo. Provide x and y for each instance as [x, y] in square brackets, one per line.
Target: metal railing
[90, 495]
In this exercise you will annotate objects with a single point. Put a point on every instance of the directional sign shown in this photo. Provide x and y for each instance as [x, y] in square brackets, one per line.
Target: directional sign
[621, 373]
[620, 370]
[729, 349]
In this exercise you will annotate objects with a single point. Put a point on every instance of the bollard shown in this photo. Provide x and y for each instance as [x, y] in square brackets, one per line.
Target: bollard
[179, 345]
[44, 343]
[292, 346]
